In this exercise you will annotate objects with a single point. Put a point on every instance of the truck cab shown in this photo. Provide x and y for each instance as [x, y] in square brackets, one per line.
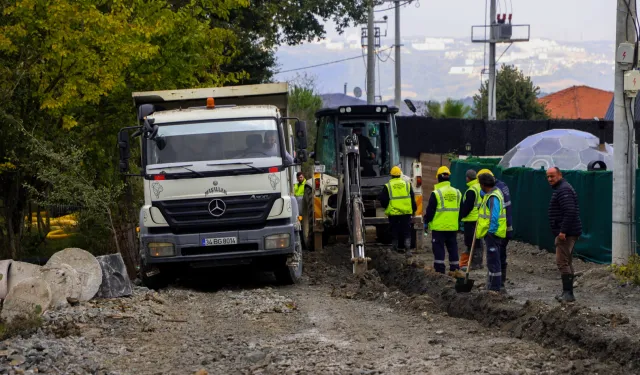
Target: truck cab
[218, 181]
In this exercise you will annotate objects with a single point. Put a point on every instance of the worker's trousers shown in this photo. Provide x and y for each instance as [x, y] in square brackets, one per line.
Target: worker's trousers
[494, 255]
[476, 262]
[400, 231]
[439, 241]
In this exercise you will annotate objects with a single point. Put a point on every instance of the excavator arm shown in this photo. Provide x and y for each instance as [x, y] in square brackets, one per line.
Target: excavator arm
[354, 204]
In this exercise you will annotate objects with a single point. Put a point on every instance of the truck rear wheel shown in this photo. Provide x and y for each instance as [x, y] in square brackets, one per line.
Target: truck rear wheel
[307, 220]
[290, 271]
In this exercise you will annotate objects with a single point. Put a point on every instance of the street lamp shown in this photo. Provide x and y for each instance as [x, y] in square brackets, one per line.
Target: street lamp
[468, 148]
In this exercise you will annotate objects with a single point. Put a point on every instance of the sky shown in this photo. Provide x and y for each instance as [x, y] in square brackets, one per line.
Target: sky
[562, 20]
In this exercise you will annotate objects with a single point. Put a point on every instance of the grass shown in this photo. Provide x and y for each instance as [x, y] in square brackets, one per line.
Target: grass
[21, 325]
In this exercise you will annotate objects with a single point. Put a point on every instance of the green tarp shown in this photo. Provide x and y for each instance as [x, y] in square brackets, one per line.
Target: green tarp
[530, 195]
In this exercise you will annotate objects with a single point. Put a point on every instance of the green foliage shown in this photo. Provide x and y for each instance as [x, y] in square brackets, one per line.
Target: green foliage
[304, 102]
[628, 273]
[449, 109]
[516, 97]
[67, 70]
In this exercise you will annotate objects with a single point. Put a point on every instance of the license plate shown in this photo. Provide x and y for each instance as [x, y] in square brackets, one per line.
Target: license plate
[219, 241]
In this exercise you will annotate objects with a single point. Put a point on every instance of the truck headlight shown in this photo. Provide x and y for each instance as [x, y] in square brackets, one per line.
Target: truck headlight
[277, 241]
[161, 249]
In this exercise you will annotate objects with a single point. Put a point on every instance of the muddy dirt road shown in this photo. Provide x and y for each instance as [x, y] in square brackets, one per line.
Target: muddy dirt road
[331, 323]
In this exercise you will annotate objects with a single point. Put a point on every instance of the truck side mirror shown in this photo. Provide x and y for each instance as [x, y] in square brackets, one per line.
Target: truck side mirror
[145, 110]
[125, 150]
[301, 134]
[301, 156]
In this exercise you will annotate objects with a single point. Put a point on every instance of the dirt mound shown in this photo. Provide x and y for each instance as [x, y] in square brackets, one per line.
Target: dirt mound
[581, 332]
[599, 278]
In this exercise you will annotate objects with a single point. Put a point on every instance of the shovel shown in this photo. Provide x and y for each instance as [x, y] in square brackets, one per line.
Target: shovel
[464, 284]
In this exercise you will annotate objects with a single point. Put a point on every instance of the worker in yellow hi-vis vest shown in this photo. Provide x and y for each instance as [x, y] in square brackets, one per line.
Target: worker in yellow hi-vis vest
[442, 218]
[399, 203]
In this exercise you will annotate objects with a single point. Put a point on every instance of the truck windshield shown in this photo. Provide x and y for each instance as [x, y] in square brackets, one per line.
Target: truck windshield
[215, 140]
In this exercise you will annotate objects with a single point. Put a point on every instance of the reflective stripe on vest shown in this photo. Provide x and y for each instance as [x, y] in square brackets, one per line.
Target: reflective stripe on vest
[448, 199]
[399, 197]
[484, 216]
[299, 188]
[475, 187]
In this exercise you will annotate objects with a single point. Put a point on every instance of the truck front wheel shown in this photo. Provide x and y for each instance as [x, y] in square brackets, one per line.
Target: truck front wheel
[154, 278]
[290, 271]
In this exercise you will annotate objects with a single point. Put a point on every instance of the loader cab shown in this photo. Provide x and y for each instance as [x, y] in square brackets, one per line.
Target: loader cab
[375, 127]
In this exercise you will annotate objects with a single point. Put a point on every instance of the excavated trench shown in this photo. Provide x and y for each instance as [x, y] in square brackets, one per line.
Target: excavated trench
[580, 332]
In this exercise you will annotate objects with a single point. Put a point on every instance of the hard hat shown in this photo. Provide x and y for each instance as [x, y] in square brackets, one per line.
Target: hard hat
[483, 171]
[443, 170]
[396, 171]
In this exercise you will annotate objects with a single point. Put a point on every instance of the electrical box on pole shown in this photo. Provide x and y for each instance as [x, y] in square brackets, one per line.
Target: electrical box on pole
[625, 53]
[631, 83]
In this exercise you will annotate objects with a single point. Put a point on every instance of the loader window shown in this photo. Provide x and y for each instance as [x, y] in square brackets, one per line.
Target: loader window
[373, 137]
[326, 145]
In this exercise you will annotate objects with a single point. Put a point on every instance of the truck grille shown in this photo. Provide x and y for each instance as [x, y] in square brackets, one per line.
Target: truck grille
[192, 215]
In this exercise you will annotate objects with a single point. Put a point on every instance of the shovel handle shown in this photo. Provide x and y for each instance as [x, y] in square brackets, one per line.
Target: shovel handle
[473, 246]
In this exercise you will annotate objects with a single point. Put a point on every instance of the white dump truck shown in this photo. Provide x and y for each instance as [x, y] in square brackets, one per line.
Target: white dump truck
[218, 167]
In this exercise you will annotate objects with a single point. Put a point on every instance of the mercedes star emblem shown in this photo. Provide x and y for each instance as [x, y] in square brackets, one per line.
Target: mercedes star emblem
[217, 207]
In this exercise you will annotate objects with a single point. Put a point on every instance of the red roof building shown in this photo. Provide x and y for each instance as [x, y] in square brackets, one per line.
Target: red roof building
[578, 102]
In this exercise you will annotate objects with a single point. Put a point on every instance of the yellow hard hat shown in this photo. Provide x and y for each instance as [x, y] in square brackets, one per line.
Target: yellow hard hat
[483, 171]
[396, 171]
[443, 170]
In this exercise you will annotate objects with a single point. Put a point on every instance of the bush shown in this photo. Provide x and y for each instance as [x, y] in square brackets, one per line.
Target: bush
[628, 273]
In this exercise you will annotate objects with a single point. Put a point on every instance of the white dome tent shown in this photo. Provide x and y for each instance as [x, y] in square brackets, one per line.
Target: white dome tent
[566, 149]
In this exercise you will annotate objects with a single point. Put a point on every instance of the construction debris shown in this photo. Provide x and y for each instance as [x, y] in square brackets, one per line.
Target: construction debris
[30, 296]
[86, 265]
[69, 277]
[64, 282]
[115, 281]
[4, 277]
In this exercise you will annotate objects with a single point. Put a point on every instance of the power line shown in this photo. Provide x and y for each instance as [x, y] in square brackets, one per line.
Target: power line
[327, 63]
[393, 7]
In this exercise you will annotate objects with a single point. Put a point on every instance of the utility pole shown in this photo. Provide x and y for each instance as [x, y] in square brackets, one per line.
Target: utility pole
[398, 94]
[371, 57]
[491, 90]
[622, 241]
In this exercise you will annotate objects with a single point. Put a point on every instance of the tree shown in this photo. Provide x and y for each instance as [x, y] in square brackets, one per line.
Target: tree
[450, 109]
[516, 97]
[304, 102]
[67, 69]
[266, 24]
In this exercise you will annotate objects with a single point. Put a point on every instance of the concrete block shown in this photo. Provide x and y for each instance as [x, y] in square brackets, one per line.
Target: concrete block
[63, 281]
[20, 271]
[28, 296]
[4, 277]
[87, 267]
[115, 280]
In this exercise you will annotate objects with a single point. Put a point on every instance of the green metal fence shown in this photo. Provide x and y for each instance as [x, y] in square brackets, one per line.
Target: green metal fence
[530, 195]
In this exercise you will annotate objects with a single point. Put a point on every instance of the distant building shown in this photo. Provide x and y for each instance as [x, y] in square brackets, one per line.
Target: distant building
[578, 102]
[609, 115]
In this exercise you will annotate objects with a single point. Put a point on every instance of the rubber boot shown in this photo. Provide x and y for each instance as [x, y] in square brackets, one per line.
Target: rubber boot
[407, 247]
[476, 261]
[567, 289]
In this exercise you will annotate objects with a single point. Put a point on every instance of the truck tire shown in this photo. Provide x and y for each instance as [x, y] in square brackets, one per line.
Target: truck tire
[290, 271]
[307, 220]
